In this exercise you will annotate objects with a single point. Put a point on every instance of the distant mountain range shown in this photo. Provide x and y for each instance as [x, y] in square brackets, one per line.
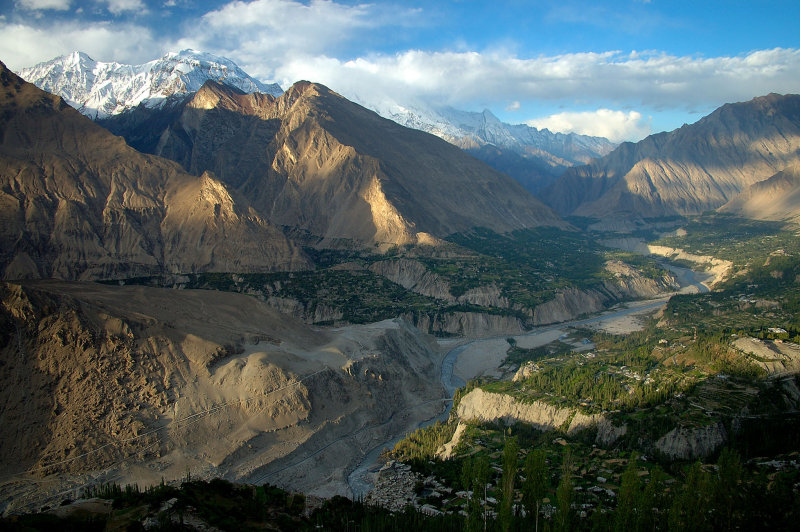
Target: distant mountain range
[100, 90]
[693, 169]
[696, 168]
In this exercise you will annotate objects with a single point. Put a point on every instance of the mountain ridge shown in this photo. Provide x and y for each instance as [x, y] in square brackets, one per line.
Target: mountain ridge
[313, 160]
[533, 157]
[79, 203]
[689, 170]
[98, 89]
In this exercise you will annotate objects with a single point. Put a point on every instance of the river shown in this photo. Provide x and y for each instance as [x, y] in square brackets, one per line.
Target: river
[360, 479]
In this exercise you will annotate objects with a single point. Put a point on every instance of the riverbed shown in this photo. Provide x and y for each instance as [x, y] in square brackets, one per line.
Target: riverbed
[473, 358]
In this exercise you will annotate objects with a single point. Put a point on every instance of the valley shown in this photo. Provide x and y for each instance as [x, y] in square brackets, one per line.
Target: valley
[217, 292]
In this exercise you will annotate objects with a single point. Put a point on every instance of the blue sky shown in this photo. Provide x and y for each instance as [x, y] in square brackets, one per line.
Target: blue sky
[619, 69]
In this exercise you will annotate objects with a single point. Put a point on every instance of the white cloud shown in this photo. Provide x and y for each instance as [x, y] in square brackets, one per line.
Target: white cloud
[261, 35]
[513, 106]
[23, 45]
[651, 80]
[117, 7]
[57, 5]
[616, 126]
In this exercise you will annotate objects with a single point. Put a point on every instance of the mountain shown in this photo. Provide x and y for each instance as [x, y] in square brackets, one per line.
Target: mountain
[316, 162]
[776, 198]
[76, 202]
[533, 157]
[687, 171]
[100, 89]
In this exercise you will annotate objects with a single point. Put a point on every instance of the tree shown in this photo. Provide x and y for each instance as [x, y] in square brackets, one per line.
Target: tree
[535, 486]
[726, 488]
[564, 494]
[476, 516]
[625, 517]
[510, 452]
[653, 502]
[688, 511]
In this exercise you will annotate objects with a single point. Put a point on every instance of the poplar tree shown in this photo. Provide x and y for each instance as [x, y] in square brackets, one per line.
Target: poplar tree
[564, 494]
[535, 486]
[510, 451]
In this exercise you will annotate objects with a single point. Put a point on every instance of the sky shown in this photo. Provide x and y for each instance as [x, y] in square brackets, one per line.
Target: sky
[620, 69]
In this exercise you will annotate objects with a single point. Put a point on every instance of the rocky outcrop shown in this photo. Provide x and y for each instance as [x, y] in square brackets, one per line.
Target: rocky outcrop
[569, 304]
[394, 487]
[608, 433]
[627, 284]
[470, 324]
[718, 269]
[485, 296]
[486, 407]
[413, 275]
[691, 443]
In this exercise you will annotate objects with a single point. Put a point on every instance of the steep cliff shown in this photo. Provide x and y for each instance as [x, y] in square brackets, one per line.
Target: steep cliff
[482, 406]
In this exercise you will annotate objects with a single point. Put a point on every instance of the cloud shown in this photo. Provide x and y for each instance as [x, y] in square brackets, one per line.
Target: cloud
[653, 80]
[616, 126]
[32, 5]
[24, 45]
[513, 106]
[117, 7]
[262, 34]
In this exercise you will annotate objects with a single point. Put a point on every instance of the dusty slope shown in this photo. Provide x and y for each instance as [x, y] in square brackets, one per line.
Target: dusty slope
[313, 160]
[132, 384]
[776, 198]
[77, 202]
[687, 171]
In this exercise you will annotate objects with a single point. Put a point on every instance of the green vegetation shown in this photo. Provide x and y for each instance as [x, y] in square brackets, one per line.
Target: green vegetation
[682, 369]
[744, 242]
[527, 266]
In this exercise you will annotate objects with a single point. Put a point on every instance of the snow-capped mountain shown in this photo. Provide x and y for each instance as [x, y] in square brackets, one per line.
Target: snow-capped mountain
[100, 89]
[474, 132]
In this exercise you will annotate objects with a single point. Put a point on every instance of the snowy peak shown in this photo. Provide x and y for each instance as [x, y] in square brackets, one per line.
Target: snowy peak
[100, 89]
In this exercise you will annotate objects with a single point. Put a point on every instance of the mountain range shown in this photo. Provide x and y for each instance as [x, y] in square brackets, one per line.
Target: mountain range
[288, 198]
[693, 169]
[80, 203]
[101, 90]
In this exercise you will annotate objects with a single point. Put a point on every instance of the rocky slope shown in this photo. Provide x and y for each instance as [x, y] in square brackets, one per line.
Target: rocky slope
[316, 162]
[77, 202]
[99, 89]
[104, 383]
[687, 171]
[776, 198]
